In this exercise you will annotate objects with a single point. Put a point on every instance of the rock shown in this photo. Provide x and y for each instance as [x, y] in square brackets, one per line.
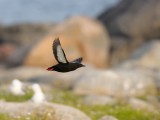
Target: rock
[79, 36]
[17, 56]
[118, 83]
[108, 117]
[141, 105]
[6, 49]
[146, 56]
[121, 49]
[131, 23]
[24, 74]
[42, 76]
[24, 34]
[17, 40]
[99, 100]
[134, 19]
[52, 111]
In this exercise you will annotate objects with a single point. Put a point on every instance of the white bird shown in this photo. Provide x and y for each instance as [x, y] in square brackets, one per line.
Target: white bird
[16, 87]
[38, 96]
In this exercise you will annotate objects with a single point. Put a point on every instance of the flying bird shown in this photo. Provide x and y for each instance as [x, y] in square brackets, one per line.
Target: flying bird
[63, 64]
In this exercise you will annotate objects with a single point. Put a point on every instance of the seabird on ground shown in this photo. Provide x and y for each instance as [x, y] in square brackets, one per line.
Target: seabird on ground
[16, 87]
[38, 96]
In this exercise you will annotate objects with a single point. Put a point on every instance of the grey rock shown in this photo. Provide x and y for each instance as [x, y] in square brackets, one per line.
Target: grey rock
[118, 83]
[147, 59]
[133, 19]
[24, 74]
[41, 75]
[141, 105]
[146, 56]
[22, 34]
[56, 111]
[130, 24]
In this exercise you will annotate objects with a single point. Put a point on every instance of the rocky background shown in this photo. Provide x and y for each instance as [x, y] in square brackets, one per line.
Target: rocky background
[121, 53]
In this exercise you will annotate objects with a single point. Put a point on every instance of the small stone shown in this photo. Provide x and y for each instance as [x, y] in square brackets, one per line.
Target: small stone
[141, 105]
[108, 117]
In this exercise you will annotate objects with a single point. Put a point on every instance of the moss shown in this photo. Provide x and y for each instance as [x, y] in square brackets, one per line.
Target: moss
[4, 117]
[13, 98]
[121, 110]
[28, 117]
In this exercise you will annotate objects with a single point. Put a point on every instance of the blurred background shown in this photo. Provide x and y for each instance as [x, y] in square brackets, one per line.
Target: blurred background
[119, 43]
[22, 11]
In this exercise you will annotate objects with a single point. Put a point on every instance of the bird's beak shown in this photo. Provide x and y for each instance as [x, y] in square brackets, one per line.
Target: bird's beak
[50, 69]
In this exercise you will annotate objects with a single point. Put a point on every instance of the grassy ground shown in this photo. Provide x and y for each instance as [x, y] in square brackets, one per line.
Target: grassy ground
[120, 111]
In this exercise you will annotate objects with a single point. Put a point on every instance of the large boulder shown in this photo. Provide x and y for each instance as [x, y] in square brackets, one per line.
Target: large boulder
[133, 18]
[146, 58]
[118, 83]
[130, 23]
[79, 36]
[47, 110]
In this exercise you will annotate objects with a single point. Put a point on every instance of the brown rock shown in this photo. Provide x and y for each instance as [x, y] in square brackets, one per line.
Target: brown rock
[79, 36]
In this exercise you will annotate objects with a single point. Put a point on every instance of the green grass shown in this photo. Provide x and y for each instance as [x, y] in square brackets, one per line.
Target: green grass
[33, 116]
[121, 111]
[11, 98]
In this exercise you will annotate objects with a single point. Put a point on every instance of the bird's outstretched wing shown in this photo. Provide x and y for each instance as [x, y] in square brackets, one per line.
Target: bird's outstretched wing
[79, 60]
[58, 52]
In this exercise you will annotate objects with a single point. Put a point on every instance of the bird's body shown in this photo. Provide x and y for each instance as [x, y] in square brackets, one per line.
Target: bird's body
[63, 64]
[16, 87]
[38, 96]
[65, 67]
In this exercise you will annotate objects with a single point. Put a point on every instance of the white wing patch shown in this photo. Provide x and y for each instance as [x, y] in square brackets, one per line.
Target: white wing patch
[60, 55]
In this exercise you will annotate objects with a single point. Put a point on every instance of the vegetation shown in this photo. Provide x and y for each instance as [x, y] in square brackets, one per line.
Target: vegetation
[11, 98]
[120, 111]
